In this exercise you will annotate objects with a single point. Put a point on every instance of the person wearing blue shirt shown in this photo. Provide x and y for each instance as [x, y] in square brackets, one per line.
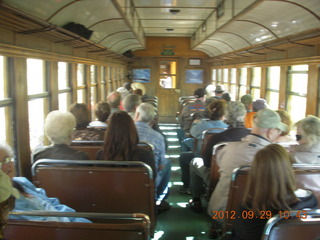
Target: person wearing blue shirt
[145, 113]
[30, 197]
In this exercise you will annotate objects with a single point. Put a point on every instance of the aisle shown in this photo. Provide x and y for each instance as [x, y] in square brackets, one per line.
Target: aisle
[180, 222]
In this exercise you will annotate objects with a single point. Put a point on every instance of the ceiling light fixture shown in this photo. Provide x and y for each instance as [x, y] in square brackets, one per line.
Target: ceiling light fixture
[174, 11]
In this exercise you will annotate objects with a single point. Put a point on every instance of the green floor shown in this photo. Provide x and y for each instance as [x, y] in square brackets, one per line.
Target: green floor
[179, 223]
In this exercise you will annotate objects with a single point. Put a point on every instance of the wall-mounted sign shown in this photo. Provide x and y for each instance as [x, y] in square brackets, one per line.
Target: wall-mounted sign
[167, 52]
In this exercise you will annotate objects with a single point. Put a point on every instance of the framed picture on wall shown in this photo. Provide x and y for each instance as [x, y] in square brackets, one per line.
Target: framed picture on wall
[194, 76]
[141, 75]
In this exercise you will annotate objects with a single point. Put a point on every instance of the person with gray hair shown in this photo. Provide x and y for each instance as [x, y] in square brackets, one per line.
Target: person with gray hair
[130, 103]
[266, 129]
[145, 114]
[28, 196]
[308, 137]
[200, 167]
[58, 128]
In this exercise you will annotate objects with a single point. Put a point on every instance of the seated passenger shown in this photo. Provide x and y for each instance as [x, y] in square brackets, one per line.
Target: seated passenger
[285, 135]
[130, 103]
[125, 90]
[114, 99]
[82, 132]
[271, 188]
[198, 106]
[308, 137]
[266, 128]
[217, 111]
[145, 114]
[121, 142]
[200, 167]
[7, 200]
[30, 197]
[247, 100]
[58, 128]
[102, 112]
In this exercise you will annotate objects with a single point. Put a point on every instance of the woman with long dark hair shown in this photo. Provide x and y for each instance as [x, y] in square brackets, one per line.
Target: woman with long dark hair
[271, 188]
[121, 142]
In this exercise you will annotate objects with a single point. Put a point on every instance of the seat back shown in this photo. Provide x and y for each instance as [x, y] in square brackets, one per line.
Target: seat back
[308, 177]
[98, 186]
[293, 228]
[119, 226]
[237, 187]
[89, 147]
[207, 134]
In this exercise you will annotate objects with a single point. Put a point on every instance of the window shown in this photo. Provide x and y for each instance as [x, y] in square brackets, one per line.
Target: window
[93, 88]
[110, 87]
[64, 89]
[233, 82]
[243, 82]
[225, 79]
[5, 104]
[273, 85]
[38, 100]
[168, 74]
[103, 89]
[256, 82]
[297, 91]
[81, 84]
[214, 76]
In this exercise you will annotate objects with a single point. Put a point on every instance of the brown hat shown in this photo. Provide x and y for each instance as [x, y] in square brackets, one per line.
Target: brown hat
[219, 89]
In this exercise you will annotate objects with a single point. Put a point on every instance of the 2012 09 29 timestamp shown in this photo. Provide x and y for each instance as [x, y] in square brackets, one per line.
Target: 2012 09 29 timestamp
[249, 214]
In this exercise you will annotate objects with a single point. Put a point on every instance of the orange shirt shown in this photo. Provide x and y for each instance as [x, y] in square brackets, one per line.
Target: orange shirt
[248, 120]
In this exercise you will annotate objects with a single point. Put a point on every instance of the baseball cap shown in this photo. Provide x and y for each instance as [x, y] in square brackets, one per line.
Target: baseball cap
[266, 118]
[6, 189]
[199, 93]
[259, 104]
[246, 99]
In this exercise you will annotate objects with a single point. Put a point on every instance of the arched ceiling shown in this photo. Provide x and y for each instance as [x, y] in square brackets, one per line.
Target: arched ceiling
[216, 27]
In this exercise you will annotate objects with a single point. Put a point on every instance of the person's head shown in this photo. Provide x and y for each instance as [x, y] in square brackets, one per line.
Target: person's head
[6, 160]
[121, 137]
[286, 119]
[58, 127]
[259, 104]
[271, 182]
[226, 96]
[114, 99]
[8, 193]
[131, 102]
[127, 86]
[199, 93]
[137, 85]
[102, 111]
[145, 112]
[247, 101]
[267, 123]
[81, 113]
[236, 113]
[138, 91]
[219, 90]
[308, 130]
[217, 109]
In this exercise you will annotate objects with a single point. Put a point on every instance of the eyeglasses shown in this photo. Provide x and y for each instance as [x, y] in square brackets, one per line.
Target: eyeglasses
[298, 137]
[6, 160]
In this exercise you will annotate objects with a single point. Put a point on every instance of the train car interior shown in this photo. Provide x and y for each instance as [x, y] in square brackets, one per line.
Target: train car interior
[55, 53]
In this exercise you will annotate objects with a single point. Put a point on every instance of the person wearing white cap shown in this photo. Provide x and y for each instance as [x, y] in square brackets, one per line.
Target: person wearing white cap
[267, 127]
